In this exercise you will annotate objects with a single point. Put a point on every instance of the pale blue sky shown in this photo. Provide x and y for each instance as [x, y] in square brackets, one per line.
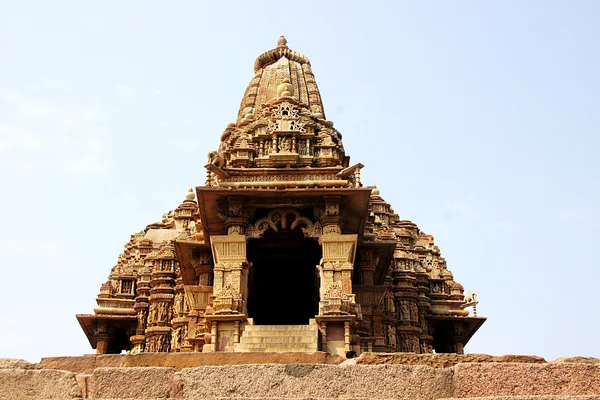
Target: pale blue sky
[476, 120]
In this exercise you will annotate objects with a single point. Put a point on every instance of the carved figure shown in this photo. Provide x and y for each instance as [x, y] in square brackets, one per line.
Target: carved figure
[215, 159]
[284, 145]
[178, 304]
[471, 298]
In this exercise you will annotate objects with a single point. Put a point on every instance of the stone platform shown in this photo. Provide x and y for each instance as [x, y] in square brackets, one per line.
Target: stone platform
[316, 376]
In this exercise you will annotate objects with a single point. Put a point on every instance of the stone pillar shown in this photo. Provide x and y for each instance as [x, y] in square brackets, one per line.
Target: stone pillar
[179, 323]
[459, 337]
[230, 280]
[347, 335]
[102, 338]
[213, 336]
[406, 296]
[337, 263]
[335, 272]
[366, 267]
[230, 273]
[141, 307]
[158, 332]
[323, 336]
[236, 331]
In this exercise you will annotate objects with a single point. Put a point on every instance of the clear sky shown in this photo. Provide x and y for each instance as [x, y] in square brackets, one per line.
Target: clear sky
[476, 120]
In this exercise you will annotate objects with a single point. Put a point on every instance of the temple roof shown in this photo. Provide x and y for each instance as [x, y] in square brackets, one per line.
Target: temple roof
[277, 66]
[281, 137]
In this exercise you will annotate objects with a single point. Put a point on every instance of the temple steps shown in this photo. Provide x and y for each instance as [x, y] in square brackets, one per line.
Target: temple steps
[279, 338]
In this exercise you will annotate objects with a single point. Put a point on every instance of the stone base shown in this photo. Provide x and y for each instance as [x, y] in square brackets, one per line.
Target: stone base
[470, 376]
[88, 363]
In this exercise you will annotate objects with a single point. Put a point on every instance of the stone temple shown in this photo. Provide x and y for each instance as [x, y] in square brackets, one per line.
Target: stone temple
[282, 249]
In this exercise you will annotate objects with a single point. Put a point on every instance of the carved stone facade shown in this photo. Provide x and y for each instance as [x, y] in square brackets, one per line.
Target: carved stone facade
[283, 230]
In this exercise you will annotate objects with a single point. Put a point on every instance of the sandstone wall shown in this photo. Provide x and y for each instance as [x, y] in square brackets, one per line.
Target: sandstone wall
[387, 376]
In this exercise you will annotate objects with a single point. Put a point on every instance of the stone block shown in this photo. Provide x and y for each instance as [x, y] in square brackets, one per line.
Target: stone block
[16, 363]
[87, 364]
[546, 397]
[84, 364]
[29, 384]
[442, 360]
[132, 383]
[317, 381]
[578, 359]
[517, 379]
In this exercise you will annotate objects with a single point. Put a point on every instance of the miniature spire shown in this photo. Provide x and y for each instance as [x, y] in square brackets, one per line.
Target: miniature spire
[282, 41]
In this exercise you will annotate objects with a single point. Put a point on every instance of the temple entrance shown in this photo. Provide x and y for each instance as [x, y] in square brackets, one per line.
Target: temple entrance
[283, 285]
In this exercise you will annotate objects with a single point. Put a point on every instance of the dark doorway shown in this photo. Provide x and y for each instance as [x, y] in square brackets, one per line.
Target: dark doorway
[283, 282]
[119, 341]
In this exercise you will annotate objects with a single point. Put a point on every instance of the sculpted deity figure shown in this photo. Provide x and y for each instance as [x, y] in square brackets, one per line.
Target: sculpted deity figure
[284, 145]
[391, 308]
[392, 336]
[184, 334]
[178, 304]
[405, 310]
[175, 339]
[141, 316]
[162, 311]
[414, 312]
[152, 317]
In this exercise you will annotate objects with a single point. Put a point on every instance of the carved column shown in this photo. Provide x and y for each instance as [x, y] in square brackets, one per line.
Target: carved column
[158, 333]
[406, 295]
[102, 338]
[141, 307]
[336, 265]
[179, 338]
[337, 306]
[230, 273]
[230, 280]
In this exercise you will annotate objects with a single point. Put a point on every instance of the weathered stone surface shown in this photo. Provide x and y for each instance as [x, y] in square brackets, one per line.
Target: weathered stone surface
[579, 360]
[442, 360]
[513, 379]
[548, 397]
[88, 363]
[288, 398]
[23, 384]
[321, 381]
[83, 365]
[16, 363]
[131, 383]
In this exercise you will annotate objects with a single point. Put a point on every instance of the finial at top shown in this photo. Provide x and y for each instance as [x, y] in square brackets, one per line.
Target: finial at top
[281, 50]
[190, 195]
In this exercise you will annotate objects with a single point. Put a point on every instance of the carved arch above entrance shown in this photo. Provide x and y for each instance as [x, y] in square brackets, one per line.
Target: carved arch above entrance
[278, 219]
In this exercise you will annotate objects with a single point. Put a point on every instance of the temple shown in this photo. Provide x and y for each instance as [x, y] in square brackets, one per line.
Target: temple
[282, 249]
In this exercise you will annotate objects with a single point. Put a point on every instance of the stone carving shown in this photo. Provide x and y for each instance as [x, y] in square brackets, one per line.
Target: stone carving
[215, 159]
[391, 334]
[470, 298]
[179, 304]
[278, 219]
[334, 301]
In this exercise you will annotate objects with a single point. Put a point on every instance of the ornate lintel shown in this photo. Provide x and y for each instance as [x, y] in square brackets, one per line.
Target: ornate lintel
[278, 219]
